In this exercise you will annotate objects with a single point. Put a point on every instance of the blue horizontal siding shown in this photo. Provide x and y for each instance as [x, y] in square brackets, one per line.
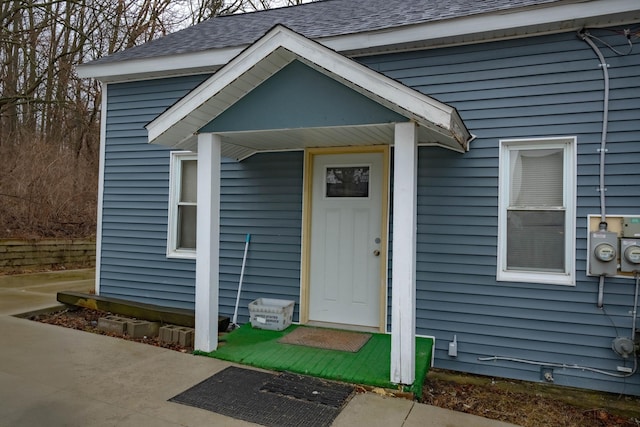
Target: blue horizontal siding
[271, 211]
[290, 89]
[261, 196]
[133, 261]
[537, 87]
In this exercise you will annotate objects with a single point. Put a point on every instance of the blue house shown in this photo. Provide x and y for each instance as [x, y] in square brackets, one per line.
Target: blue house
[463, 170]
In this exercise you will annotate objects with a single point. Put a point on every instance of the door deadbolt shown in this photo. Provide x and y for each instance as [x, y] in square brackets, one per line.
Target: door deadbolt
[376, 252]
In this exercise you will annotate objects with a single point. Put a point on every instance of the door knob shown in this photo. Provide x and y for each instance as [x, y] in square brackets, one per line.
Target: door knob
[376, 252]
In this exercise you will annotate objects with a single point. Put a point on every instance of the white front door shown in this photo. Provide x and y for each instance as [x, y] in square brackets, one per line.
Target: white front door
[346, 238]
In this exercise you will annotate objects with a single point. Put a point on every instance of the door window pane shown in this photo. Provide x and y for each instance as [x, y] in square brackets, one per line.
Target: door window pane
[349, 181]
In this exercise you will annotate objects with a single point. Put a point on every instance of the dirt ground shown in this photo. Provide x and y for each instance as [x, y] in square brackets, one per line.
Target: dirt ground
[86, 320]
[517, 402]
[529, 404]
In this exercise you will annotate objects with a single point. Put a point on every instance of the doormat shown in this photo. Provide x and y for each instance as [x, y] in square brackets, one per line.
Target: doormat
[329, 339]
[268, 399]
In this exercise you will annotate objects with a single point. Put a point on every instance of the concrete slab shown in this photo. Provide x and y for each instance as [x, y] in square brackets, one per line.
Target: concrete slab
[72, 409]
[58, 376]
[26, 292]
[45, 278]
[55, 376]
[63, 357]
[15, 390]
[14, 302]
[53, 288]
[372, 410]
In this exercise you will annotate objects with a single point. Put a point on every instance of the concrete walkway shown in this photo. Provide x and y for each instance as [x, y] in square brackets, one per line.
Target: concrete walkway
[56, 376]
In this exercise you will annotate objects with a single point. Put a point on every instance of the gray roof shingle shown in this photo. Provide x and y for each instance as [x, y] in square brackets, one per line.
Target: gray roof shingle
[319, 19]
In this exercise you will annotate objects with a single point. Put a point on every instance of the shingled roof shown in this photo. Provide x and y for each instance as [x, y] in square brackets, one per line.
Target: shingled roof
[317, 20]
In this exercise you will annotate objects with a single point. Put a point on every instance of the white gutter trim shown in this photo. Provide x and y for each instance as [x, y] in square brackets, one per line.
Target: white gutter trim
[487, 24]
[208, 60]
[566, 17]
[194, 99]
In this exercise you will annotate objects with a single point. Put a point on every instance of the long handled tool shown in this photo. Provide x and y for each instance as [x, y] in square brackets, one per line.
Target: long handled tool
[234, 323]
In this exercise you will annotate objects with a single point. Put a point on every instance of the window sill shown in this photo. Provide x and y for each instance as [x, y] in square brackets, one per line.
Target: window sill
[536, 277]
[182, 254]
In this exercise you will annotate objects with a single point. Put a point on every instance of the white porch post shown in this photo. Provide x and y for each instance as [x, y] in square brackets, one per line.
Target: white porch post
[403, 282]
[207, 242]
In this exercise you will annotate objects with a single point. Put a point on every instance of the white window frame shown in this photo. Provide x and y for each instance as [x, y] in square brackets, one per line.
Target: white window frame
[568, 144]
[175, 174]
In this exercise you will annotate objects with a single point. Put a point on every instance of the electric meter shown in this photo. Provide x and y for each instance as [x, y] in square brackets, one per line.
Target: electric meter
[632, 254]
[605, 252]
[630, 260]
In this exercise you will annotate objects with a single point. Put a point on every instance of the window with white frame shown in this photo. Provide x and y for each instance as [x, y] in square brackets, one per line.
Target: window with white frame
[181, 240]
[536, 218]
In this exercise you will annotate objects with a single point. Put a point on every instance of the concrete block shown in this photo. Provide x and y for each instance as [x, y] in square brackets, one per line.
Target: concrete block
[113, 324]
[166, 333]
[142, 328]
[185, 336]
[177, 335]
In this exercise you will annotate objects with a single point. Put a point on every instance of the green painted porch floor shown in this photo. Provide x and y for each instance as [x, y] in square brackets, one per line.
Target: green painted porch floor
[369, 366]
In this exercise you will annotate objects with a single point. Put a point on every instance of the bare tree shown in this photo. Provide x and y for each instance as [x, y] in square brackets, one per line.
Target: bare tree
[49, 118]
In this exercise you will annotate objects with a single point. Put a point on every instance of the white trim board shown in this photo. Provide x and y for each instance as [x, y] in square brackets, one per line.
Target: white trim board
[103, 148]
[568, 144]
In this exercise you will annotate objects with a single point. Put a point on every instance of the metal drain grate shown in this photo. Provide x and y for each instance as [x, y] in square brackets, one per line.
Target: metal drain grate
[285, 400]
[309, 389]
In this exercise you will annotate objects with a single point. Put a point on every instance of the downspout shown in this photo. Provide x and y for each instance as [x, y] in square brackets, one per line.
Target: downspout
[584, 35]
[635, 308]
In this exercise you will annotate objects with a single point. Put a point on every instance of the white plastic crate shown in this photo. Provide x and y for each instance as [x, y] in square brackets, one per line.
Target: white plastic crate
[272, 314]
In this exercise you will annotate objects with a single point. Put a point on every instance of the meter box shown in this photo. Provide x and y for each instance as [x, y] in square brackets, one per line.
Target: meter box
[603, 253]
[613, 246]
[629, 255]
[631, 226]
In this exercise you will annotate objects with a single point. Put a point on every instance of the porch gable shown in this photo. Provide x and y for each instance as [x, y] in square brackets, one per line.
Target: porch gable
[438, 123]
[299, 97]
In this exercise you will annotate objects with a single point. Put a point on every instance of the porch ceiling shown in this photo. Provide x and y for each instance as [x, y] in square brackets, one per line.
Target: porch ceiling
[438, 123]
[240, 145]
